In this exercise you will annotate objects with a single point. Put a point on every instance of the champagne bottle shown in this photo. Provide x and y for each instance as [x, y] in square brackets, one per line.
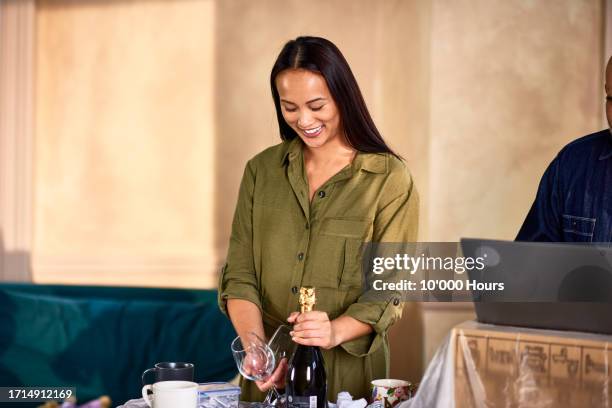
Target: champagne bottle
[306, 384]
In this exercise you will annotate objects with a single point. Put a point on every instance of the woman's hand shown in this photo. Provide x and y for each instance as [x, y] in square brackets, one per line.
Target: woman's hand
[313, 329]
[254, 364]
[276, 380]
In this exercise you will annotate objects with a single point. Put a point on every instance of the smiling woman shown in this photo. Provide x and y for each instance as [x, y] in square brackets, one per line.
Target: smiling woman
[304, 209]
[316, 120]
[309, 109]
[316, 67]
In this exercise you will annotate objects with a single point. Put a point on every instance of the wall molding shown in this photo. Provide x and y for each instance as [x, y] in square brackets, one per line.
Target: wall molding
[185, 271]
[17, 50]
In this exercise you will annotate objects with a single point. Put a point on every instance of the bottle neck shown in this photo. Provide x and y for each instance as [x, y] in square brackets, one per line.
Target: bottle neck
[306, 308]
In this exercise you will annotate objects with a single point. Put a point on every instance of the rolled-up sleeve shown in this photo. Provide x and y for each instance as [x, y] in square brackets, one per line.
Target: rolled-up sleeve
[396, 222]
[238, 279]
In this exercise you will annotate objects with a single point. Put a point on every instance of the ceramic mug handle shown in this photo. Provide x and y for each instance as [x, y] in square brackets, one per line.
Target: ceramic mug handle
[145, 394]
[144, 374]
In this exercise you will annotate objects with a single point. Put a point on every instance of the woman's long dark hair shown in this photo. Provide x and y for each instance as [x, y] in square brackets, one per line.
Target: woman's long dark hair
[319, 55]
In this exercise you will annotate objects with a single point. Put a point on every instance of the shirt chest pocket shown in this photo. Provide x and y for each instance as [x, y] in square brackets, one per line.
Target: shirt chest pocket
[578, 229]
[346, 235]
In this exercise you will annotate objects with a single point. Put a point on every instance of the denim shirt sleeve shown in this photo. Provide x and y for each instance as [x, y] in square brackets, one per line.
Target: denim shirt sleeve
[543, 222]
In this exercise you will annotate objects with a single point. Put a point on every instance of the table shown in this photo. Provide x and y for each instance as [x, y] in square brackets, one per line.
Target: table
[140, 403]
[483, 365]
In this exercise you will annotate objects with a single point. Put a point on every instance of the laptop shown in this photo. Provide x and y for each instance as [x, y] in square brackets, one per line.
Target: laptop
[557, 286]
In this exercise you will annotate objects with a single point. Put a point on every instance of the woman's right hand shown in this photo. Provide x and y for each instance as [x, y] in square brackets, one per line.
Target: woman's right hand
[276, 380]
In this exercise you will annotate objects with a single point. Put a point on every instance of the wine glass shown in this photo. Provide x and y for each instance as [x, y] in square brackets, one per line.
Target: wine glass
[254, 358]
[281, 343]
[282, 346]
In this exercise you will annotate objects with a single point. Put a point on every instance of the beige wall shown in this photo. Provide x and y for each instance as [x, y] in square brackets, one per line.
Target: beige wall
[147, 110]
[125, 143]
[512, 82]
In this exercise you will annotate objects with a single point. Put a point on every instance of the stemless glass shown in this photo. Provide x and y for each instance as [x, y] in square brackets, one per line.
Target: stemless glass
[255, 360]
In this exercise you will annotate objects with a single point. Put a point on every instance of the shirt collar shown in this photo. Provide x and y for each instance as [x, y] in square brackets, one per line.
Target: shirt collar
[606, 152]
[294, 147]
[371, 162]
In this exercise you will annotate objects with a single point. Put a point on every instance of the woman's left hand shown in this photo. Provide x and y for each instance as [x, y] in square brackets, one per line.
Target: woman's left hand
[313, 329]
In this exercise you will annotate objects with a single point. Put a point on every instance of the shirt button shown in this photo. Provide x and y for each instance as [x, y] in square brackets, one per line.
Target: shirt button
[396, 302]
[294, 290]
[321, 193]
[300, 256]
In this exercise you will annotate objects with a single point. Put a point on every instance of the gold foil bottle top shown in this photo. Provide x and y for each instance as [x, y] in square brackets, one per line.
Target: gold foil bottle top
[307, 298]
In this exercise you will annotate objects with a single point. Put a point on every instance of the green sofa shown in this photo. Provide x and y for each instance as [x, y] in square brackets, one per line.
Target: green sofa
[100, 339]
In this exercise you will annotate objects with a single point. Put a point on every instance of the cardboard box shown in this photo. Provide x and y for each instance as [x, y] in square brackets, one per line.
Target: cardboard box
[500, 366]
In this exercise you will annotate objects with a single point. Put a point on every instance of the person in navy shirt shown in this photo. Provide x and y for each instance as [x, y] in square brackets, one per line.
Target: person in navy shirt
[574, 198]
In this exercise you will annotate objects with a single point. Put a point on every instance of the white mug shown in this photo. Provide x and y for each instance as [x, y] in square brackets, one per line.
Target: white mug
[171, 394]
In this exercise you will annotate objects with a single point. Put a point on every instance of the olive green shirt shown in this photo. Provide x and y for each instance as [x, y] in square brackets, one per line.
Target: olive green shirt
[281, 241]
